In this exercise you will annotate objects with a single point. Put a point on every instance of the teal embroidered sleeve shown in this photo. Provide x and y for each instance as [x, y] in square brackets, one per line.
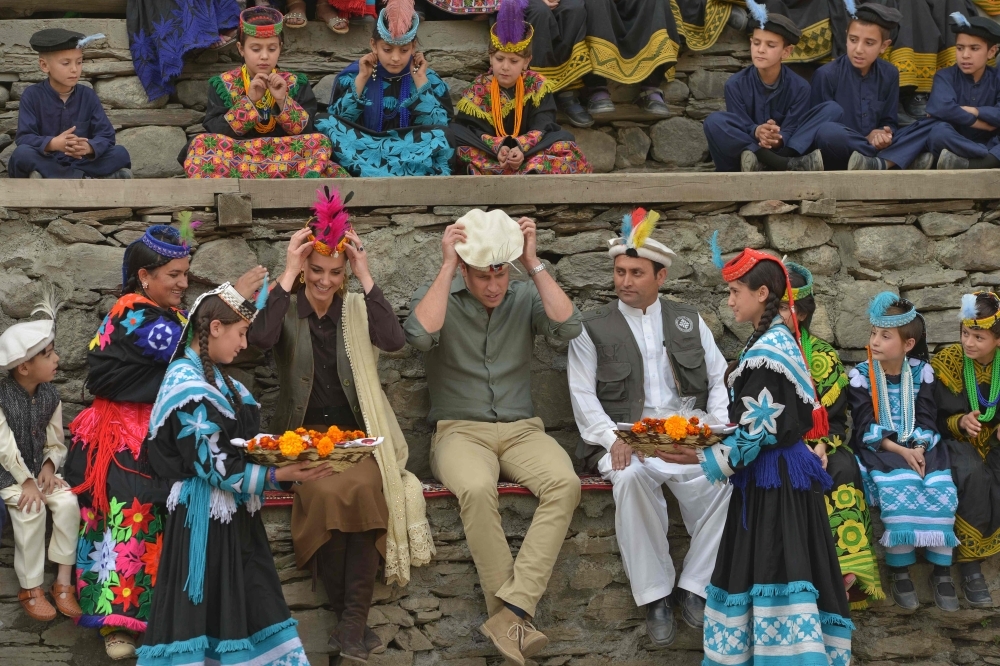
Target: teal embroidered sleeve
[424, 103]
[349, 105]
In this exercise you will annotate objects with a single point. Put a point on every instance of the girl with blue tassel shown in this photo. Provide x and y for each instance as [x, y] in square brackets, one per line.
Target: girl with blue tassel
[389, 110]
[905, 468]
[776, 595]
[218, 596]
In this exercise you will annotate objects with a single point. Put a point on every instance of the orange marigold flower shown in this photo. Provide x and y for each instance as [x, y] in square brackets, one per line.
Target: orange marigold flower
[676, 427]
[639, 428]
[291, 444]
[324, 446]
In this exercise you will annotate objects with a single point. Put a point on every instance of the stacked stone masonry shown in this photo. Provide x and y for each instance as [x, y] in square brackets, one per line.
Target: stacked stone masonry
[155, 132]
[931, 252]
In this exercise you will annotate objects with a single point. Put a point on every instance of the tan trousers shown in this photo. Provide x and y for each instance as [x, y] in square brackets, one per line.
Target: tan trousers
[29, 533]
[469, 458]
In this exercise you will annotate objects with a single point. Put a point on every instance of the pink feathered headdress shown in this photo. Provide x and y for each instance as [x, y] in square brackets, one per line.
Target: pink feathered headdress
[331, 224]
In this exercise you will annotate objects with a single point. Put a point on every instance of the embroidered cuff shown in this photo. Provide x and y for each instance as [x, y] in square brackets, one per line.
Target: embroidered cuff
[243, 116]
[746, 447]
[293, 118]
[528, 141]
[494, 142]
[954, 429]
[714, 463]
[926, 437]
[255, 479]
[874, 436]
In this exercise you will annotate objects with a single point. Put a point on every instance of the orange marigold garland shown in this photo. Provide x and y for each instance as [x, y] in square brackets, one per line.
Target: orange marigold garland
[675, 427]
[294, 442]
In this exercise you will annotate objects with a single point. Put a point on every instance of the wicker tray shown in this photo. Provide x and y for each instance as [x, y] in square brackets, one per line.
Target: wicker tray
[339, 459]
[648, 443]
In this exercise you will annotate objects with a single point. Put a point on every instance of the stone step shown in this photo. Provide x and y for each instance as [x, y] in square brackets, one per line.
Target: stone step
[614, 188]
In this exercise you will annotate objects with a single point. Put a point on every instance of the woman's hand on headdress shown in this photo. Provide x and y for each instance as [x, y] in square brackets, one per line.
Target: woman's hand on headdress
[248, 283]
[418, 70]
[299, 247]
[358, 258]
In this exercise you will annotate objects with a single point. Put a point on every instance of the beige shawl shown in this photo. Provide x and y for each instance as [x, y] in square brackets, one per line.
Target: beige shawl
[408, 542]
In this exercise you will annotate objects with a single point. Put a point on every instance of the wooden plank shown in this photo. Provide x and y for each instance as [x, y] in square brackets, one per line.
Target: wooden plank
[82, 6]
[79, 194]
[632, 188]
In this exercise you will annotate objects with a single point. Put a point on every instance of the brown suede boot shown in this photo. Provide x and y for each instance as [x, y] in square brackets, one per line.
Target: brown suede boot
[506, 630]
[330, 562]
[362, 568]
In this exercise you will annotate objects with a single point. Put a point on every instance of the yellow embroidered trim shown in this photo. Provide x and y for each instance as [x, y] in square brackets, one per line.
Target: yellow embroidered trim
[949, 364]
[816, 42]
[561, 77]
[701, 37]
[917, 69]
[465, 105]
[991, 7]
[516, 47]
[608, 61]
[972, 544]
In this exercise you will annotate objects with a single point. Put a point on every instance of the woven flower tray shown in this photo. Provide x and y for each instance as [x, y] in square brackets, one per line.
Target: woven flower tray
[649, 443]
[339, 459]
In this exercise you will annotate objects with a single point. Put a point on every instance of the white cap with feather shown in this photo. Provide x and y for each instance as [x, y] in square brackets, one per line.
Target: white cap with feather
[635, 241]
[22, 342]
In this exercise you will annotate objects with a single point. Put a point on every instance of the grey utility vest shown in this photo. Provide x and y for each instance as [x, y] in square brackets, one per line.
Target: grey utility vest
[619, 362]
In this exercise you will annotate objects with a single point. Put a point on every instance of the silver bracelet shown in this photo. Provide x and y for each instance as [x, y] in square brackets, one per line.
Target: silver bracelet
[536, 270]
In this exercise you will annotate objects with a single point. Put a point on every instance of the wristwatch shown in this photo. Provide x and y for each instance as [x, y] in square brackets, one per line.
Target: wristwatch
[536, 270]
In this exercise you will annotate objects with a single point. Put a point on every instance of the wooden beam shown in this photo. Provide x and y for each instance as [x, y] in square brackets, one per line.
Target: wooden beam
[82, 6]
[79, 194]
[613, 188]
[634, 188]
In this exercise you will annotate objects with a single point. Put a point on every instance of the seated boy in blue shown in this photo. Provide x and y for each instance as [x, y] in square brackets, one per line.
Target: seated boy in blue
[62, 130]
[865, 86]
[767, 124]
[963, 112]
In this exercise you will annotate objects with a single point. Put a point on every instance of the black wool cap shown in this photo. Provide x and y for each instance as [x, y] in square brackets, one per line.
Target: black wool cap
[55, 39]
[880, 15]
[780, 24]
[977, 26]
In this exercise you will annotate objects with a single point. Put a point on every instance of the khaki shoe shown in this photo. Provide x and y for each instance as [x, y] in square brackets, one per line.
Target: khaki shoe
[37, 607]
[65, 598]
[533, 641]
[119, 645]
[506, 631]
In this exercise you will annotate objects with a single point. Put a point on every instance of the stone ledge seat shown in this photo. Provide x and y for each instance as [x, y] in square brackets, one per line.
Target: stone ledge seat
[588, 483]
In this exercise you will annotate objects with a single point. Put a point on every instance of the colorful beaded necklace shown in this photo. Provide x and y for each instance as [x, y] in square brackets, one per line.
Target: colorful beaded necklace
[976, 398]
[496, 107]
[264, 104]
[907, 401]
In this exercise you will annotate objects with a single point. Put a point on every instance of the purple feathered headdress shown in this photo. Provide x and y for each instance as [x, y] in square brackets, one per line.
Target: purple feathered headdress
[510, 27]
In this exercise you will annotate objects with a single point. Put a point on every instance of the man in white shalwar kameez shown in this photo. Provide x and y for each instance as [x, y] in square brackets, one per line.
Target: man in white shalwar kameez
[638, 357]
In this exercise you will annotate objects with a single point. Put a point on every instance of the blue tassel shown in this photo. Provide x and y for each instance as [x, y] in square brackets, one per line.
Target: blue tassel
[196, 495]
[759, 12]
[960, 19]
[267, 632]
[716, 250]
[192, 645]
[262, 295]
[836, 620]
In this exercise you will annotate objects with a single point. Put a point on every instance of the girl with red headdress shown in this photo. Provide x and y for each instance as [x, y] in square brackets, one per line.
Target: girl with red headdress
[777, 589]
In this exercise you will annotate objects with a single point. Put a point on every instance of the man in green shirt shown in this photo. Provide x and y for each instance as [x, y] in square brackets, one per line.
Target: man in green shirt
[477, 333]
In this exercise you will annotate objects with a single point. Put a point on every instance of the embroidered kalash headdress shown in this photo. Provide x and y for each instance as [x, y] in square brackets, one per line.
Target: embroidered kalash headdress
[879, 306]
[59, 39]
[22, 342]
[969, 319]
[492, 240]
[398, 22]
[739, 266]
[331, 223]
[798, 293]
[176, 246]
[774, 22]
[635, 241]
[261, 22]
[511, 33]
[977, 26]
[247, 310]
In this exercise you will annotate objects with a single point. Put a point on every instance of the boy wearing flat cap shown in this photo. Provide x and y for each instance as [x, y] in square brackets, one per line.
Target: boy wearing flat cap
[963, 111]
[477, 331]
[645, 356]
[862, 84]
[31, 450]
[767, 124]
[62, 130]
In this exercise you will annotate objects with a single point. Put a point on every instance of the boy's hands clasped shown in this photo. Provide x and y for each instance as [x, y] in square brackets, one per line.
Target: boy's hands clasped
[70, 144]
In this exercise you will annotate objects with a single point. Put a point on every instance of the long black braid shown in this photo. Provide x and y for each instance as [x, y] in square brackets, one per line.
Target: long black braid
[214, 309]
[767, 274]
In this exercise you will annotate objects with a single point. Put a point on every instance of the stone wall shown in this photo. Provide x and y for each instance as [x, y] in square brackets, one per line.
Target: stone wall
[932, 252]
[155, 132]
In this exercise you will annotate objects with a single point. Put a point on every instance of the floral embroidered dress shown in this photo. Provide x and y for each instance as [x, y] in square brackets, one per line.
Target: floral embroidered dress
[245, 140]
[391, 128]
[975, 461]
[917, 512]
[776, 595]
[162, 32]
[218, 598]
[547, 147]
[850, 519]
[121, 532]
